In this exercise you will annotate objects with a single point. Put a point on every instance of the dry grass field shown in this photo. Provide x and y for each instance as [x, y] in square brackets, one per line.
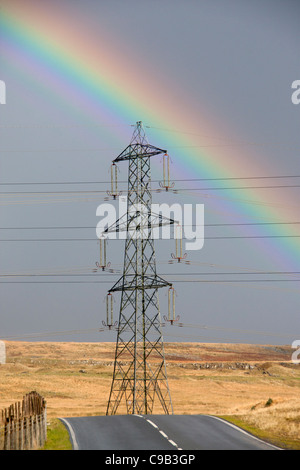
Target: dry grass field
[256, 384]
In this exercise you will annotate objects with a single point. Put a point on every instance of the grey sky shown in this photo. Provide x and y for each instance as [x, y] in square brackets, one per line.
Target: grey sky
[236, 59]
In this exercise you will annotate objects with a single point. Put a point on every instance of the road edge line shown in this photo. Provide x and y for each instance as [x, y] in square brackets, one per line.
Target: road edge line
[72, 434]
[244, 432]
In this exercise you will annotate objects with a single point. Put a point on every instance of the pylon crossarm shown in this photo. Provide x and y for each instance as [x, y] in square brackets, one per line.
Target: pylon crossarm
[138, 281]
[139, 151]
[139, 220]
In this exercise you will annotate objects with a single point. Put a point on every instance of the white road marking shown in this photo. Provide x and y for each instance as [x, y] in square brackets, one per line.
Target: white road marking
[152, 424]
[173, 443]
[72, 433]
[160, 431]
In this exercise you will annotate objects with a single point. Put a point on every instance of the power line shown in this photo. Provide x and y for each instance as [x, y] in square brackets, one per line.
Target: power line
[237, 280]
[56, 125]
[88, 268]
[242, 237]
[51, 333]
[236, 330]
[211, 281]
[92, 198]
[180, 325]
[153, 190]
[197, 146]
[155, 181]
[237, 188]
[193, 225]
[164, 274]
[89, 195]
[226, 141]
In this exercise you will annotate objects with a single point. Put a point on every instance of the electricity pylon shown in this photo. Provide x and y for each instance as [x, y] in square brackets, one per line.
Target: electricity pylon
[139, 369]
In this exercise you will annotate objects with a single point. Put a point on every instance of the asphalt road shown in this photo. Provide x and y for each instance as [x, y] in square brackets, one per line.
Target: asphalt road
[159, 432]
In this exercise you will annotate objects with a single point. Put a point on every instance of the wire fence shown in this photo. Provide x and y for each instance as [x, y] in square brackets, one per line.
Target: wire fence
[23, 425]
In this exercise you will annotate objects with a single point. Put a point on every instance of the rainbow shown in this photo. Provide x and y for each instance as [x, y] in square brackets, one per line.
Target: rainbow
[101, 81]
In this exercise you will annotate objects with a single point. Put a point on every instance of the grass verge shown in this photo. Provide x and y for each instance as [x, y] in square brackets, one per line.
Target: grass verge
[57, 436]
[281, 442]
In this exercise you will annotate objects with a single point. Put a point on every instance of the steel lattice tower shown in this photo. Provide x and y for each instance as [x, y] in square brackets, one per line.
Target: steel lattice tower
[139, 370]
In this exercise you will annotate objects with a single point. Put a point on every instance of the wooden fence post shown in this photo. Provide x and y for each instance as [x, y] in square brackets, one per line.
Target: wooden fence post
[7, 435]
[25, 423]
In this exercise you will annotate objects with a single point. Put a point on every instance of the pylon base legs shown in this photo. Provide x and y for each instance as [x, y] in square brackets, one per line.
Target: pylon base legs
[139, 387]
